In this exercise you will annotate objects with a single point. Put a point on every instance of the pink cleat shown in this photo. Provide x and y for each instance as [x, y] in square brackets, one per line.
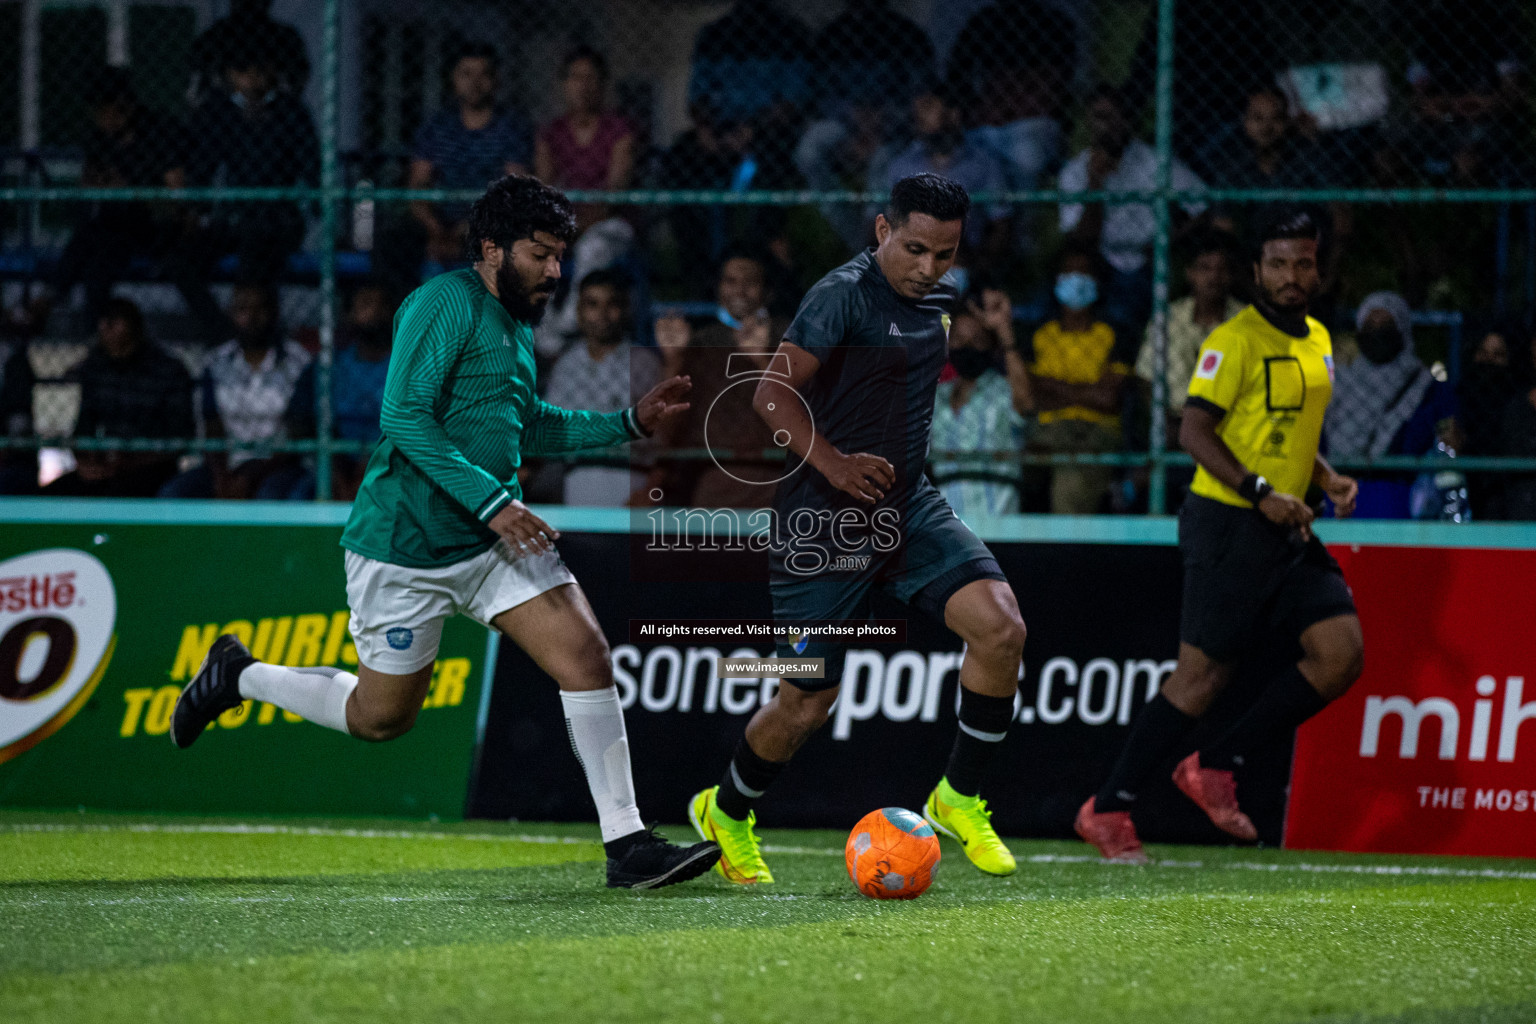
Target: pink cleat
[1216, 793]
[1112, 833]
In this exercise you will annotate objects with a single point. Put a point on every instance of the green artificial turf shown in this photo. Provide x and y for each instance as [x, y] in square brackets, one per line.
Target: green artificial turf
[106, 917]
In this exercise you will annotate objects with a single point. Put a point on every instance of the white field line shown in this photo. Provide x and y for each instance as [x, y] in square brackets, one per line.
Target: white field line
[241, 828]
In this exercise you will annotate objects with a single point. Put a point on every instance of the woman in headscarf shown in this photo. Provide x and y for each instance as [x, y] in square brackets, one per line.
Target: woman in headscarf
[1386, 402]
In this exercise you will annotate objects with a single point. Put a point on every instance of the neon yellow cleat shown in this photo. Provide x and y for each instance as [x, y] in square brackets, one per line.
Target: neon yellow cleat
[966, 820]
[741, 858]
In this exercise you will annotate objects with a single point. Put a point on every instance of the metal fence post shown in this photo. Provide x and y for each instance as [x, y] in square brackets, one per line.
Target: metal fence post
[331, 195]
[1157, 498]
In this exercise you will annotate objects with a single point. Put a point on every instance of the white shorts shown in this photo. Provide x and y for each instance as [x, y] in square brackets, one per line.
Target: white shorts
[398, 611]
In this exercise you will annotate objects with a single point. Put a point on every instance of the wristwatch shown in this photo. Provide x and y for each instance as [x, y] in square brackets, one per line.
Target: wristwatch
[1255, 488]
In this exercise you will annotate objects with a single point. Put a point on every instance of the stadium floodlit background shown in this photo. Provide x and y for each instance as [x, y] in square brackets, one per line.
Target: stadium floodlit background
[134, 164]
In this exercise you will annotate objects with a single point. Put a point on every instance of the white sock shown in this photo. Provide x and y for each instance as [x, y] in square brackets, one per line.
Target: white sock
[319, 694]
[595, 722]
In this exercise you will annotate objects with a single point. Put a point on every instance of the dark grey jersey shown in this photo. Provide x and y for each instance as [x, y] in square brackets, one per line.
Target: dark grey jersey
[881, 356]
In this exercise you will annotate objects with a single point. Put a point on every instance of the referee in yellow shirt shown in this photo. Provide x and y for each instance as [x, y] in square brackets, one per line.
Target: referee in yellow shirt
[1252, 566]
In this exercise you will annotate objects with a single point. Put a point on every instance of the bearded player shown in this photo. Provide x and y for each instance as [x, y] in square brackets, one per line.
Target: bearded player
[1253, 568]
[864, 354]
[437, 528]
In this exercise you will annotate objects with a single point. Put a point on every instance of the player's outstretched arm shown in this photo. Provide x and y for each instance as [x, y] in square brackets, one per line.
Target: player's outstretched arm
[777, 400]
[551, 430]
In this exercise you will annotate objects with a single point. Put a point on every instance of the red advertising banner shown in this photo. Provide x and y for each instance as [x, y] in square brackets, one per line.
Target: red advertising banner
[1434, 749]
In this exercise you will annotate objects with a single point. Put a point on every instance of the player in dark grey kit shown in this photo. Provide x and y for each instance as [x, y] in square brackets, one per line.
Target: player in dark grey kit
[864, 355]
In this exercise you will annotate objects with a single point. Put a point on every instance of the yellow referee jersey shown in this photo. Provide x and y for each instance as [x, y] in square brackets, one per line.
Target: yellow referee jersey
[1274, 389]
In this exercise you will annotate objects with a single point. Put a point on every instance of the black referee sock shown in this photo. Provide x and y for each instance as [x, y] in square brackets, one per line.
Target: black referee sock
[984, 723]
[1284, 704]
[1159, 728]
[745, 779]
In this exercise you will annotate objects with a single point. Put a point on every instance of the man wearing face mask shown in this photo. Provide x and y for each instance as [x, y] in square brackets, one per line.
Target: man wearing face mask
[1078, 365]
[1386, 402]
[437, 528]
[1253, 569]
[982, 411]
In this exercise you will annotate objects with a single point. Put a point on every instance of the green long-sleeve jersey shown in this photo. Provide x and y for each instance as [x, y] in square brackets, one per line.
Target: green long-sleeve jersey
[459, 412]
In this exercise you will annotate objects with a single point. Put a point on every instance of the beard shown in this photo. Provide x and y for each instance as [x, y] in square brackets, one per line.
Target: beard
[519, 302]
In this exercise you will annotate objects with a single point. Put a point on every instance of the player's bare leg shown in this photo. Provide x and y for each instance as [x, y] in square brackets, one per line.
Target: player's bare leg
[559, 631]
[986, 616]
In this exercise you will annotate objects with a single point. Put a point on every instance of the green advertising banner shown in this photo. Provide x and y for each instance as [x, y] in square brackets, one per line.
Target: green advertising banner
[102, 623]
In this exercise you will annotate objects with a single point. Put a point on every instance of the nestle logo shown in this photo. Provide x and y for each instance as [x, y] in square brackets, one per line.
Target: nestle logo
[1413, 714]
[24, 593]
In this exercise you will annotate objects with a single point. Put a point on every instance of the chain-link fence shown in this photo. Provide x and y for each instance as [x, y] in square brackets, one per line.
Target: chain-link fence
[211, 209]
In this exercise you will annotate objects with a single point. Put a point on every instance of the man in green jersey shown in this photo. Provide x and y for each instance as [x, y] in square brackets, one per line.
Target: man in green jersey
[437, 528]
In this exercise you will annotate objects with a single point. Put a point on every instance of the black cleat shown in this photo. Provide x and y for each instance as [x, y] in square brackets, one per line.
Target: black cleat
[651, 862]
[214, 690]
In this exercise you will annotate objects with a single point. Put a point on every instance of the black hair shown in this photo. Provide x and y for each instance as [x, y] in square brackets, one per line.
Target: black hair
[108, 85]
[738, 251]
[1272, 90]
[1098, 266]
[927, 193]
[266, 290]
[608, 277]
[245, 52]
[1210, 240]
[478, 51]
[1287, 222]
[516, 207]
[119, 308]
[584, 52]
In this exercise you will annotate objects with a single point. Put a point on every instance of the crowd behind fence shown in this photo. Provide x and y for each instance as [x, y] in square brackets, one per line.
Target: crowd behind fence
[211, 210]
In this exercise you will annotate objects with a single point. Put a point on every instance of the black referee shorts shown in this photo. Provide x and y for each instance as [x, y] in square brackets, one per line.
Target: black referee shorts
[1244, 576]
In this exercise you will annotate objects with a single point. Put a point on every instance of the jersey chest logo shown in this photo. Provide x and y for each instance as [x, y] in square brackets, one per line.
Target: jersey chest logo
[895, 332]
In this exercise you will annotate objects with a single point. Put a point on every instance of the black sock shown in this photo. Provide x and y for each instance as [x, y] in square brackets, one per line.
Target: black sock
[745, 779]
[1158, 729]
[984, 723]
[1284, 704]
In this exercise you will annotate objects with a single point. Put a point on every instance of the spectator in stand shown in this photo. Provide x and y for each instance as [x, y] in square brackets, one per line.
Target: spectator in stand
[1078, 366]
[253, 136]
[606, 372]
[939, 145]
[1468, 117]
[586, 148]
[1386, 402]
[248, 24]
[721, 356]
[1265, 150]
[755, 65]
[1123, 233]
[18, 466]
[1519, 430]
[245, 391]
[1013, 48]
[1018, 59]
[1220, 52]
[981, 410]
[862, 96]
[130, 387]
[464, 145]
[1209, 304]
[358, 371]
[129, 145]
[1488, 384]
